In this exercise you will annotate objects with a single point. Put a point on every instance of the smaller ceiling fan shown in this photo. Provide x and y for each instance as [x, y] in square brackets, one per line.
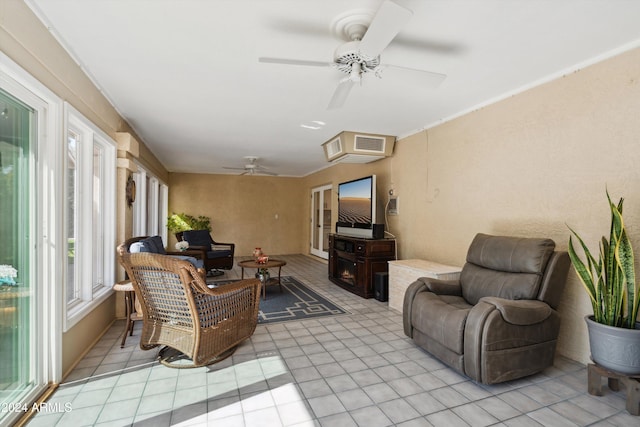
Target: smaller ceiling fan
[252, 167]
[361, 54]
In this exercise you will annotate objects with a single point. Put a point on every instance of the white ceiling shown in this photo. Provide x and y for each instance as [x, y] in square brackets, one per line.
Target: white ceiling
[185, 73]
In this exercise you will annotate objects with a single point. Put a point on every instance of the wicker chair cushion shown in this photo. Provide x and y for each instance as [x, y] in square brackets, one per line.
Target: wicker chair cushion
[154, 245]
[198, 263]
[151, 244]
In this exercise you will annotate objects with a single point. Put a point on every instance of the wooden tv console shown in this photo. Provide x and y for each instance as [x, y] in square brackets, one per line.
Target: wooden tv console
[353, 262]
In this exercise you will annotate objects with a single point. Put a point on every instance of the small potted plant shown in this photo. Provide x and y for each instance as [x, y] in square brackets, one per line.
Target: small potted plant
[182, 245]
[263, 275]
[610, 282]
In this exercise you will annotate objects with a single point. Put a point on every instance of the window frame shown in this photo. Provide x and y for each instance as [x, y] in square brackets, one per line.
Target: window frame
[150, 209]
[90, 294]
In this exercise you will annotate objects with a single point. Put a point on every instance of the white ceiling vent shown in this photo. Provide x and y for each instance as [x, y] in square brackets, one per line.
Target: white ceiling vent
[351, 147]
[372, 144]
[333, 147]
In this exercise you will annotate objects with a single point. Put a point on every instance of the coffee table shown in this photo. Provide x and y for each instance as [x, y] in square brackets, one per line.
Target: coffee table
[272, 263]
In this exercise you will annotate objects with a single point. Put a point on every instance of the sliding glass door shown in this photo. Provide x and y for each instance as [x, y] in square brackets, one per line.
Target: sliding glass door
[30, 316]
[18, 345]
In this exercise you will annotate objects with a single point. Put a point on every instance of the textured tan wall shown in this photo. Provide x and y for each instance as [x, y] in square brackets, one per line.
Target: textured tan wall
[243, 209]
[528, 166]
[78, 340]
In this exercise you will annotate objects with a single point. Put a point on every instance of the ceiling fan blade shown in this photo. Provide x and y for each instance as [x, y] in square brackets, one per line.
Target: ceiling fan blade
[261, 169]
[285, 61]
[389, 20]
[341, 94]
[237, 169]
[415, 76]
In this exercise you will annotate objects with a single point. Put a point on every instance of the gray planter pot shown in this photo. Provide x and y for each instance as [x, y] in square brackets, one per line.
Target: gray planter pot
[616, 349]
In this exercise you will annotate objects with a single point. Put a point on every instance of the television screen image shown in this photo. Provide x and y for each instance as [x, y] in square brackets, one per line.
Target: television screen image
[355, 204]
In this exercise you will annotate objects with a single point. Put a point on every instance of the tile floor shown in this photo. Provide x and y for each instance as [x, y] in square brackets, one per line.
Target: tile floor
[351, 370]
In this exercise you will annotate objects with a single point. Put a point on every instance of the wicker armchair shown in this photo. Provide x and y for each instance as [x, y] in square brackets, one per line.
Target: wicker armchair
[183, 314]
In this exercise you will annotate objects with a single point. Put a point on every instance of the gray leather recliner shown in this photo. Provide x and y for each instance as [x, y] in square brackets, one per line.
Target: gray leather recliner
[498, 322]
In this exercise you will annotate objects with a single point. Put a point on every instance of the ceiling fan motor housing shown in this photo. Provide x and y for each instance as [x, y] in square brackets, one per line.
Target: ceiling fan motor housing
[348, 54]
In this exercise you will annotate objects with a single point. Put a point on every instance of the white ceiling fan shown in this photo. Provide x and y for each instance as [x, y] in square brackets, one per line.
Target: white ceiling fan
[361, 55]
[252, 167]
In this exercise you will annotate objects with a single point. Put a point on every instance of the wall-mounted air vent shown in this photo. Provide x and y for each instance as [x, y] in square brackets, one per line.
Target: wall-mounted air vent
[369, 143]
[334, 147]
[351, 147]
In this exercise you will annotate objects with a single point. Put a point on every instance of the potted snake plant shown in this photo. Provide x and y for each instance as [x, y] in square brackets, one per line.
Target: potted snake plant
[610, 282]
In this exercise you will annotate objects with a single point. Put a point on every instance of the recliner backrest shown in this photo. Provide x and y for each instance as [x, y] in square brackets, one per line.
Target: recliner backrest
[555, 278]
[197, 237]
[504, 267]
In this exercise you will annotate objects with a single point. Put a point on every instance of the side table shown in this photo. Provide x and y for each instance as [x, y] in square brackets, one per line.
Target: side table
[404, 272]
[132, 313]
[272, 263]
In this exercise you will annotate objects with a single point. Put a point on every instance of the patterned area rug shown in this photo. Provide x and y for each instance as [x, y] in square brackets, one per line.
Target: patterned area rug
[296, 302]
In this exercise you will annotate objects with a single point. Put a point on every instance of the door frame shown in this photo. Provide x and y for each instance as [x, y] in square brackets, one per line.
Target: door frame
[319, 228]
[45, 228]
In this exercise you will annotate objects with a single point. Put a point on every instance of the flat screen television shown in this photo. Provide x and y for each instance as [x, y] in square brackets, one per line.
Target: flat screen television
[357, 207]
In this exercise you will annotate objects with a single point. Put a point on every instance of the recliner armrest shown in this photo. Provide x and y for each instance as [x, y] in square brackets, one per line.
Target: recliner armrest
[425, 284]
[520, 312]
[442, 287]
[407, 304]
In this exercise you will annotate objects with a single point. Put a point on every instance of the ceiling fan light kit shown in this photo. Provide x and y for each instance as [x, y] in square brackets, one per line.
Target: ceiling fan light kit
[368, 35]
[358, 147]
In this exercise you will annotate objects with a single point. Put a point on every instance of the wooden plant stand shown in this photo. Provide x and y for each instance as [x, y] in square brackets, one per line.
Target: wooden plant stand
[632, 385]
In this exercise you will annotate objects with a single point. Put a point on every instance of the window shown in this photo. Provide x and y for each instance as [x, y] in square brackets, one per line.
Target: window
[89, 214]
[150, 208]
[73, 137]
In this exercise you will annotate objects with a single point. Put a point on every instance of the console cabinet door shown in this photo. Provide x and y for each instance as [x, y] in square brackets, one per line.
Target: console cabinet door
[366, 257]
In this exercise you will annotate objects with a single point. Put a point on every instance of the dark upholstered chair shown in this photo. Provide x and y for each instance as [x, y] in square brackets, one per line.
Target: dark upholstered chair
[215, 255]
[181, 313]
[498, 322]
